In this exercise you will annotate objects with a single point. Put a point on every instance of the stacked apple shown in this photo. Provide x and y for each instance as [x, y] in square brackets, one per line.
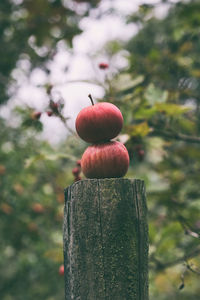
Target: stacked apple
[98, 124]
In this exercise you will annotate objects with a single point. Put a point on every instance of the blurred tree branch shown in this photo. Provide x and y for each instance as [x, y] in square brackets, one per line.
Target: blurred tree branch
[175, 136]
[159, 266]
[190, 268]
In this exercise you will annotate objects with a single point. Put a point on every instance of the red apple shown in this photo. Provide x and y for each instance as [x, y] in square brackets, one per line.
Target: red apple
[61, 270]
[99, 122]
[109, 159]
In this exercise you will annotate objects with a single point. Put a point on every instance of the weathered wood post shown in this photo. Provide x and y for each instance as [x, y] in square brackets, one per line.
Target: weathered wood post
[106, 240]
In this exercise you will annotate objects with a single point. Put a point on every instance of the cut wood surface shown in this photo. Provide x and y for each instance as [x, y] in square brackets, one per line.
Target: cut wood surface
[105, 236]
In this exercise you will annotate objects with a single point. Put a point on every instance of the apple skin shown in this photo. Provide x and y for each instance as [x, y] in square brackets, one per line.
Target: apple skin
[106, 160]
[100, 122]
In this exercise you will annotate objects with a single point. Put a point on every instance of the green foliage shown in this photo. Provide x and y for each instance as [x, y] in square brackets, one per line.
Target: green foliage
[32, 180]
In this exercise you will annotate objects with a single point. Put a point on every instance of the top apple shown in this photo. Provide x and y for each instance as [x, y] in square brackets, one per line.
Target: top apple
[99, 122]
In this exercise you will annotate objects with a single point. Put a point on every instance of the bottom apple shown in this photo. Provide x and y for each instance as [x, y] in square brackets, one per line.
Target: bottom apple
[105, 160]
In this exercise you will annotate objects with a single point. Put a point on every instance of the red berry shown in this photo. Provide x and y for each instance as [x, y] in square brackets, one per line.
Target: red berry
[103, 66]
[2, 169]
[7, 209]
[78, 163]
[141, 154]
[75, 171]
[61, 270]
[38, 208]
[77, 178]
[54, 105]
[49, 113]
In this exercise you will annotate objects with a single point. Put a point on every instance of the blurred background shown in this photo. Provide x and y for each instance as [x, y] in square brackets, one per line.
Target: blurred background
[143, 56]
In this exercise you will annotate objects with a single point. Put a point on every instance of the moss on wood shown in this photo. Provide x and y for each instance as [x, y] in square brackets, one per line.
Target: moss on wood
[106, 240]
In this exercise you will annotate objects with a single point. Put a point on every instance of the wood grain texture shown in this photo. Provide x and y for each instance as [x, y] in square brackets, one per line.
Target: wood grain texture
[105, 237]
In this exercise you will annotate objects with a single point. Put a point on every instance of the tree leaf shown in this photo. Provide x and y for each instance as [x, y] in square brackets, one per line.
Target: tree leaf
[126, 83]
[154, 95]
[172, 109]
[141, 129]
[145, 112]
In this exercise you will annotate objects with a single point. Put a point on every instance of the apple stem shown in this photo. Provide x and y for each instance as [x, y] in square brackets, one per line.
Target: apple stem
[91, 99]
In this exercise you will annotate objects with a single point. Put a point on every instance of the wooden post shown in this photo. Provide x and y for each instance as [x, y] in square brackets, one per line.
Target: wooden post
[106, 240]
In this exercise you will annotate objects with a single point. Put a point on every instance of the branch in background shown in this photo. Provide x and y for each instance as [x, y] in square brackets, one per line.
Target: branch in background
[64, 121]
[187, 228]
[160, 266]
[176, 136]
[56, 108]
[182, 285]
[190, 268]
